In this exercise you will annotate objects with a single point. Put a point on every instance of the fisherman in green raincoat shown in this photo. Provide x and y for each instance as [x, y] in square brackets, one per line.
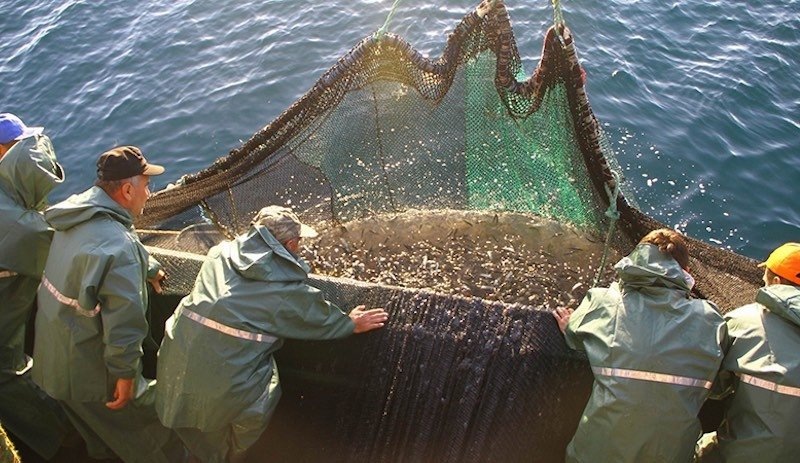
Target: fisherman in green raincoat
[92, 315]
[28, 172]
[217, 380]
[762, 370]
[654, 352]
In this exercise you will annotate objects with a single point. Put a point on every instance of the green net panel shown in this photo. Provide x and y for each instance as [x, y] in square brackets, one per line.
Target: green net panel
[468, 201]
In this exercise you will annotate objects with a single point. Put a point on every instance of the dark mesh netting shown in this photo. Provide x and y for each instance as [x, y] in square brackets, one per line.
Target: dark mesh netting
[467, 203]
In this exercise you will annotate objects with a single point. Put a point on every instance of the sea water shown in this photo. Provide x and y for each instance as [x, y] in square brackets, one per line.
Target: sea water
[700, 100]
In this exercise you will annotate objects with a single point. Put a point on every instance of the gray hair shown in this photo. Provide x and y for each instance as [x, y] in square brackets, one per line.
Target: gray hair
[112, 186]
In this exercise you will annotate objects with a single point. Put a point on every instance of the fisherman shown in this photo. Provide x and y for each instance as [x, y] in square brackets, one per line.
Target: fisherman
[762, 369]
[92, 314]
[217, 380]
[28, 172]
[654, 352]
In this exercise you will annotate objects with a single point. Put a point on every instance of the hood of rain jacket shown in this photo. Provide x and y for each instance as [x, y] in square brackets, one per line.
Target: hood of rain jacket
[782, 300]
[259, 256]
[80, 208]
[648, 269]
[28, 172]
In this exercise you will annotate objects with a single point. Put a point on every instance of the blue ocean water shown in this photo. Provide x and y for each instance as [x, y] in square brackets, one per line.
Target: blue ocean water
[701, 100]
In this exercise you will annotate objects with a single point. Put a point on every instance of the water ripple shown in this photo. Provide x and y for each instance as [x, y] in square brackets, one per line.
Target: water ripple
[701, 98]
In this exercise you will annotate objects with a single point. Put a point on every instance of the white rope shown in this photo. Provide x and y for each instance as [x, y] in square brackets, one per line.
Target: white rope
[179, 254]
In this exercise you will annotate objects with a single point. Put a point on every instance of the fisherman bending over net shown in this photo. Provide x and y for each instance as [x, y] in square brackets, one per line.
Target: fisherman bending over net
[654, 352]
[761, 371]
[217, 381]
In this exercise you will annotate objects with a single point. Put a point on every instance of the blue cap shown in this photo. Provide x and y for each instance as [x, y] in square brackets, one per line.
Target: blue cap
[12, 128]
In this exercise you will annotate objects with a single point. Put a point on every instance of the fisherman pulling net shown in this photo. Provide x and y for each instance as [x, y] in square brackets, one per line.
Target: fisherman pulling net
[454, 175]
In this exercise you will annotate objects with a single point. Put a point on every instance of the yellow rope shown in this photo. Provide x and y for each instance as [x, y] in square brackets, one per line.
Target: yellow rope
[385, 28]
[8, 454]
[558, 17]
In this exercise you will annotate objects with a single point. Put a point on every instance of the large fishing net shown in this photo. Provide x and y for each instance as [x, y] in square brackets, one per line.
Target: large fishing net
[466, 200]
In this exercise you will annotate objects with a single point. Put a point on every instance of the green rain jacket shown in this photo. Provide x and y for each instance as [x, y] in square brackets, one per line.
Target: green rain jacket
[762, 421]
[215, 363]
[28, 172]
[654, 353]
[92, 301]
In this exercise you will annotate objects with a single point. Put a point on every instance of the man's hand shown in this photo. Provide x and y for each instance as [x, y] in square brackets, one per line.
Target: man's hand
[156, 281]
[368, 320]
[123, 393]
[562, 315]
[485, 7]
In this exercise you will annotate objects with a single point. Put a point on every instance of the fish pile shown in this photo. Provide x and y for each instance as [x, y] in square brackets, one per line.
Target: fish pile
[507, 257]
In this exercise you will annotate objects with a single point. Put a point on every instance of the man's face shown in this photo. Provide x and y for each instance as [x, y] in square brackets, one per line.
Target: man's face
[6, 147]
[292, 245]
[770, 278]
[139, 194]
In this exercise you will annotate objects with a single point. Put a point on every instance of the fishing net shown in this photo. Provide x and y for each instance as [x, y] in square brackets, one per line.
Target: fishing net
[466, 200]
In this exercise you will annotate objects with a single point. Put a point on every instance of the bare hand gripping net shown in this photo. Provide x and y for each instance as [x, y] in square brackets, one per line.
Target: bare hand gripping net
[466, 202]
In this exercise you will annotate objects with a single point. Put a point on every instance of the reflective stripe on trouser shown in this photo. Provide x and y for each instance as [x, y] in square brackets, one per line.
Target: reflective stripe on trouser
[769, 385]
[242, 334]
[7, 274]
[652, 377]
[68, 300]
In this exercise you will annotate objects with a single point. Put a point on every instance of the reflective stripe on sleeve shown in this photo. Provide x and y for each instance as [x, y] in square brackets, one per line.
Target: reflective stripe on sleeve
[652, 377]
[68, 300]
[770, 386]
[23, 370]
[7, 274]
[241, 334]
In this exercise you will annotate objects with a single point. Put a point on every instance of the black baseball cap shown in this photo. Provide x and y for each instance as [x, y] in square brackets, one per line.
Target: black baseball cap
[125, 162]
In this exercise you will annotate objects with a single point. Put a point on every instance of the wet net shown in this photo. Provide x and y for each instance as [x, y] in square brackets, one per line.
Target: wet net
[465, 199]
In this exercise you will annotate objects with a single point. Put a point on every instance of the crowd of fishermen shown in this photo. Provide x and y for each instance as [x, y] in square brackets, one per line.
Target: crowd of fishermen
[656, 352]
[82, 262]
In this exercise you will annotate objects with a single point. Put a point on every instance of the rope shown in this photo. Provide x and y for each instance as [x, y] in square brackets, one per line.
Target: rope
[385, 28]
[177, 254]
[558, 17]
[147, 231]
[613, 214]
